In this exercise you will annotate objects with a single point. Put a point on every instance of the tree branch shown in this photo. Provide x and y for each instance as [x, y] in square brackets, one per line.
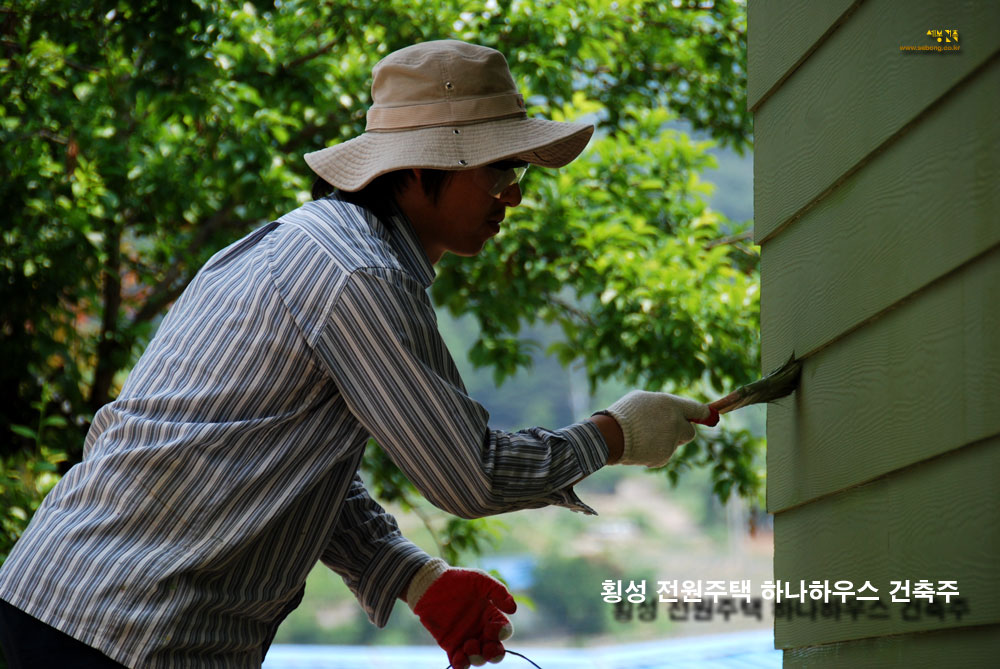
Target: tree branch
[80, 67]
[306, 133]
[167, 289]
[51, 136]
[742, 237]
[426, 520]
[111, 294]
[573, 311]
[306, 58]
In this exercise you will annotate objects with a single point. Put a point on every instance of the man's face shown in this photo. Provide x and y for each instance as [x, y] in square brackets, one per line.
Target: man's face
[465, 215]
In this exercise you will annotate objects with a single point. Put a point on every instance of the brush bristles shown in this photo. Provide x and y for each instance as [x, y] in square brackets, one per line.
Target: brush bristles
[774, 386]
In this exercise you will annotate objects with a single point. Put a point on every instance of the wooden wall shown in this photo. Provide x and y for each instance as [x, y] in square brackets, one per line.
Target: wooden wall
[877, 209]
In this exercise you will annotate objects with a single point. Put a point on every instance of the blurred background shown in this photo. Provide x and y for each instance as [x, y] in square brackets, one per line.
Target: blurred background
[139, 138]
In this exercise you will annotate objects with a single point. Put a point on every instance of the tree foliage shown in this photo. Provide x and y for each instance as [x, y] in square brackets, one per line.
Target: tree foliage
[137, 138]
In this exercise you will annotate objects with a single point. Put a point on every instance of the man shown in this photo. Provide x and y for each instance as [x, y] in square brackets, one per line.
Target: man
[228, 465]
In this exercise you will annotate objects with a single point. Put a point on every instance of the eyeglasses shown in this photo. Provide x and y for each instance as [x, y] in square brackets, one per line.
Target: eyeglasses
[502, 175]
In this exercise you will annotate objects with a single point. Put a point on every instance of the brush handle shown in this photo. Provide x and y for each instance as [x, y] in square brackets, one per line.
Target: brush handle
[711, 421]
[720, 406]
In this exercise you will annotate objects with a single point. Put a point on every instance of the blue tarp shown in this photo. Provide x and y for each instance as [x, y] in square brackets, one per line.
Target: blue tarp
[742, 650]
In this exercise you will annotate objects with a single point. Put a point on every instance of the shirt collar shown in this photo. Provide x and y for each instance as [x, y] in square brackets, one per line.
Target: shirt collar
[404, 240]
[401, 236]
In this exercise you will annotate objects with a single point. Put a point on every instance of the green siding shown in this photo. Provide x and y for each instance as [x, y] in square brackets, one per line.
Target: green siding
[782, 34]
[877, 207]
[937, 520]
[970, 647]
[920, 381]
[855, 93]
[890, 229]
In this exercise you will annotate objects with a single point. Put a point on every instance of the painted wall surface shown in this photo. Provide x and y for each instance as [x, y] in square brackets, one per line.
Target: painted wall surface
[877, 209]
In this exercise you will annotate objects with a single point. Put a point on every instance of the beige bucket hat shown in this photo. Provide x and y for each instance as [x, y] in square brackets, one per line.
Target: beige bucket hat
[446, 105]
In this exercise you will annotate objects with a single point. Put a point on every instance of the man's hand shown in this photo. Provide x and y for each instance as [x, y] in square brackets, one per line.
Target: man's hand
[463, 609]
[654, 425]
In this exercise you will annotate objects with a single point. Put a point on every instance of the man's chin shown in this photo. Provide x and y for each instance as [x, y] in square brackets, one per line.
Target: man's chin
[469, 252]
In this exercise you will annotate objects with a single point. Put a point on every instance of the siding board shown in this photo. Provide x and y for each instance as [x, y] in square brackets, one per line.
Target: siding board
[938, 520]
[922, 380]
[855, 93]
[970, 647]
[782, 34]
[916, 212]
[877, 192]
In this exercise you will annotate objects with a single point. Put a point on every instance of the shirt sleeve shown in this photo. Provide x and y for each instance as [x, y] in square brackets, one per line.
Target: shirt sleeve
[368, 551]
[382, 347]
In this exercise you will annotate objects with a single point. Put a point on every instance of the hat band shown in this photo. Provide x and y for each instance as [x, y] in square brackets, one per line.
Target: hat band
[446, 112]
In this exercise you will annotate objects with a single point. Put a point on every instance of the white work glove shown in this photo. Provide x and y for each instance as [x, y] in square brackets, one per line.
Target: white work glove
[463, 609]
[654, 425]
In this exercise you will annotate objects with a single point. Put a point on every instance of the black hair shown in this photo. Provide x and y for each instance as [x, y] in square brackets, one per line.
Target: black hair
[381, 191]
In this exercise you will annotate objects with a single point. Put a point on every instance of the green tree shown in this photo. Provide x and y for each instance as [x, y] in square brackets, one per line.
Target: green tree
[137, 138]
[563, 589]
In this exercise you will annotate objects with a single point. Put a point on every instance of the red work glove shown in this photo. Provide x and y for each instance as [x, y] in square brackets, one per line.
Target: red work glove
[463, 609]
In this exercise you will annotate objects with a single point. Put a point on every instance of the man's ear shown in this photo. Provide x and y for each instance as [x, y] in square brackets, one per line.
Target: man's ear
[415, 175]
[412, 180]
[410, 192]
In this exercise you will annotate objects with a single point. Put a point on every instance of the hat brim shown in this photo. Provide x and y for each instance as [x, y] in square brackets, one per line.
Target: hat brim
[351, 165]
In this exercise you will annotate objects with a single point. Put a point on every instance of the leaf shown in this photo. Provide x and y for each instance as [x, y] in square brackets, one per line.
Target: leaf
[24, 431]
[54, 421]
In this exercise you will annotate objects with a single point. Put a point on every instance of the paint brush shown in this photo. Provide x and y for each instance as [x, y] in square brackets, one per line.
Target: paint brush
[774, 386]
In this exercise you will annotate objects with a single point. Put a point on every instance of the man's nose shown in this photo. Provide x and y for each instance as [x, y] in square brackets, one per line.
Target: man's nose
[511, 195]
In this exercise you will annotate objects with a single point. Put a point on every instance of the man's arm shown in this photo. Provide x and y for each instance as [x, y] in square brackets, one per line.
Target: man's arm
[463, 609]
[382, 347]
[368, 551]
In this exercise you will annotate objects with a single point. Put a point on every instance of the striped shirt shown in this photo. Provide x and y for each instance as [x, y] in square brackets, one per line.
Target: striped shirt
[228, 465]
